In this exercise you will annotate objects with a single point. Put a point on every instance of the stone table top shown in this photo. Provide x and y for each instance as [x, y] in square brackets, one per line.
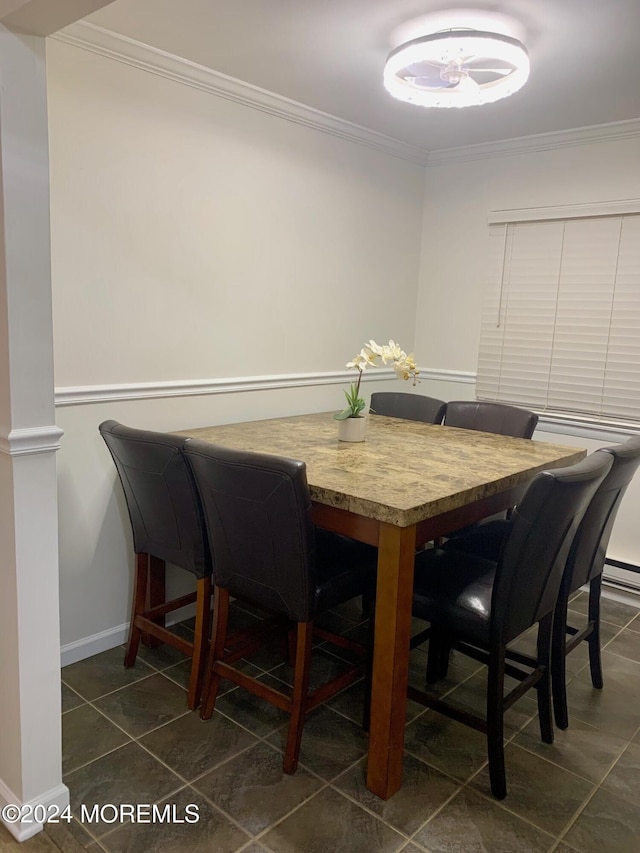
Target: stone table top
[405, 471]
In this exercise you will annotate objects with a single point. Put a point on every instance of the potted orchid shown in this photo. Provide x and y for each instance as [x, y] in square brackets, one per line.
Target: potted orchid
[352, 422]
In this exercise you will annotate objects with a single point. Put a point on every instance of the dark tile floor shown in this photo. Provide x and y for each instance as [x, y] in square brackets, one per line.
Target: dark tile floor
[128, 739]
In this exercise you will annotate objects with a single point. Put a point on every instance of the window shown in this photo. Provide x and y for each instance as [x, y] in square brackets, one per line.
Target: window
[561, 323]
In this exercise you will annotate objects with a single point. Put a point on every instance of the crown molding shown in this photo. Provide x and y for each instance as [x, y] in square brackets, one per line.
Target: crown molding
[22, 442]
[120, 48]
[615, 131]
[155, 61]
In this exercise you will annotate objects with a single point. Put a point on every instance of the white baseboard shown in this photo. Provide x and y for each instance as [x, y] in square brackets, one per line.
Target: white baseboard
[93, 645]
[53, 802]
[110, 639]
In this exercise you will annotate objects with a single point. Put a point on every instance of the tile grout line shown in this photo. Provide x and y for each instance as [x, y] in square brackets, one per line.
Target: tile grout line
[327, 784]
[132, 738]
[597, 788]
[262, 832]
[331, 784]
[142, 746]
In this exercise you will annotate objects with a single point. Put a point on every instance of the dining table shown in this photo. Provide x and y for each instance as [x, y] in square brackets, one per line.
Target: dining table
[405, 485]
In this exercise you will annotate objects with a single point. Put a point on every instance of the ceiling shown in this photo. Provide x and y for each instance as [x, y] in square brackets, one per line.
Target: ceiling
[329, 54]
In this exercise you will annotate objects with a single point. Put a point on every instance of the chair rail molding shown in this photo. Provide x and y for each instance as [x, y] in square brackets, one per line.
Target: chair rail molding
[584, 427]
[47, 438]
[120, 48]
[441, 375]
[83, 394]
[21, 442]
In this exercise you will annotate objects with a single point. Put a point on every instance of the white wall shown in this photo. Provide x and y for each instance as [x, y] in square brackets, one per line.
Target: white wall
[204, 238]
[458, 198]
[196, 238]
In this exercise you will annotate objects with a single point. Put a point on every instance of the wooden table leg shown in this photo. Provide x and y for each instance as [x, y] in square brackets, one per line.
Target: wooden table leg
[396, 553]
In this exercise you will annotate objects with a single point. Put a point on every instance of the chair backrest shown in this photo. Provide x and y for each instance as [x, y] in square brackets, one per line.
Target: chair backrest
[258, 514]
[491, 417]
[535, 551]
[411, 407]
[587, 557]
[164, 507]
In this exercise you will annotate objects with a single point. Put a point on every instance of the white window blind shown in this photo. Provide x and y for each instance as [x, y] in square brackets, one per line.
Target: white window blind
[561, 321]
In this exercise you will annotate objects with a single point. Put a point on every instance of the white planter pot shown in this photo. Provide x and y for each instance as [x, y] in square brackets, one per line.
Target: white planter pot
[352, 429]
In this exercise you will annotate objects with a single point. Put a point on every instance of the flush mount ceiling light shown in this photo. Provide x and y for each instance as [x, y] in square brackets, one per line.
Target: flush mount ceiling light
[456, 68]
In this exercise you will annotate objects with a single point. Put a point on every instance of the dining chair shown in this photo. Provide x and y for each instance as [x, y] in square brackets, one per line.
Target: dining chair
[478, 606]
[499, 418]
[585, 566]
[410, 407]
[168, 527]
[266, 550]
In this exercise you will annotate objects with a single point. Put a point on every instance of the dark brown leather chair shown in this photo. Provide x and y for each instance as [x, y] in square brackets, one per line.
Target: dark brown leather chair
[491, 417]
[478, 606]
[168, 527]
[411, 407]
[266, 550]
[498, 418]
[585, 565]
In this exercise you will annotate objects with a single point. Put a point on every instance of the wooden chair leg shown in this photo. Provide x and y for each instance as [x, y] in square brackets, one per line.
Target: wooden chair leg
[291, 646]
[495, 723]
[137, 608]
[299, 697]
[543, 687]
[595, 661]
[216, 650]
[445, 654]
[156, 595]
[559, 662]
[200, 640]
[437, 656]
[433, 657]
[365, 600]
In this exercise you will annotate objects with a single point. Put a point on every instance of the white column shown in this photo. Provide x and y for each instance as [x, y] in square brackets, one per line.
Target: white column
[30, 749]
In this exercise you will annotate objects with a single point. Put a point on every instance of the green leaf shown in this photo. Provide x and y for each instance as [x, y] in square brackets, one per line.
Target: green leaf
[355, 405]
[342, 416]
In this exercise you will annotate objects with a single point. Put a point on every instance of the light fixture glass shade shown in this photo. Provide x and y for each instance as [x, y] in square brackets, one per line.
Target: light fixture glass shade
[456, 68]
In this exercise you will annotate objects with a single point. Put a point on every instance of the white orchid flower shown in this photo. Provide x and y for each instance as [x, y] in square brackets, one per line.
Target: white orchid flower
[397, 353]
[362, 360]
[404, 366]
